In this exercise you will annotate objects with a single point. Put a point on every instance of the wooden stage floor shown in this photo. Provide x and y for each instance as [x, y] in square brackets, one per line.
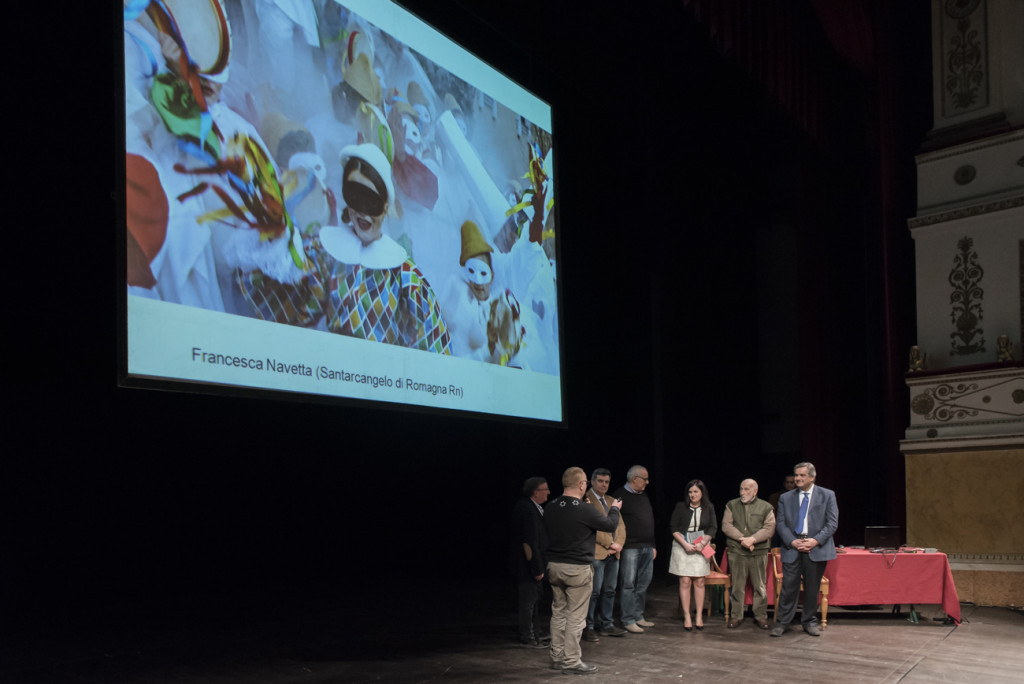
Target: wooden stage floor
[445, 633]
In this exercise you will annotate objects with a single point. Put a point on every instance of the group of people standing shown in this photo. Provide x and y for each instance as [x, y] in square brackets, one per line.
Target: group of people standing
[589, 545]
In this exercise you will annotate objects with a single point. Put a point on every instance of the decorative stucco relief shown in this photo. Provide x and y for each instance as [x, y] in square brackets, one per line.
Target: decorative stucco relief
[966, 299]
[965, 56]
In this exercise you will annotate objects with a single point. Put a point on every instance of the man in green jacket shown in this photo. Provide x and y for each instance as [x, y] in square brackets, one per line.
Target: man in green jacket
[748, 524]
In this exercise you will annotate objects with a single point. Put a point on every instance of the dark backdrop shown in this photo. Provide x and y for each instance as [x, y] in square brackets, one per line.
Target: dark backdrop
[672, 156]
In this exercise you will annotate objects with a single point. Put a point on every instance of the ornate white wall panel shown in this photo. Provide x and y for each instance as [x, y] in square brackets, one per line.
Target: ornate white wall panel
[983, 404]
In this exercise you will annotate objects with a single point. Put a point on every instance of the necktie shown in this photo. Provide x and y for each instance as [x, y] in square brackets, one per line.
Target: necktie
[604, 504]
[802, 514]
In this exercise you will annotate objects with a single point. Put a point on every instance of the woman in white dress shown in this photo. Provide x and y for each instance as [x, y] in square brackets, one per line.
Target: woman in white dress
[694, 525]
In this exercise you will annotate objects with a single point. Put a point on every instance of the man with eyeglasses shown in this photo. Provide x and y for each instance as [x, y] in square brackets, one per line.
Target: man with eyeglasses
[529, 556]
[636, 567]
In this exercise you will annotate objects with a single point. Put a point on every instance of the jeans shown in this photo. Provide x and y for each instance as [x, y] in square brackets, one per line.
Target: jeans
[636, 569]
[602, 600]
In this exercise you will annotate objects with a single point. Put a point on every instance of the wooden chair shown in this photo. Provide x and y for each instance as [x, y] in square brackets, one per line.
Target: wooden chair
[775, 558]
[717, 577]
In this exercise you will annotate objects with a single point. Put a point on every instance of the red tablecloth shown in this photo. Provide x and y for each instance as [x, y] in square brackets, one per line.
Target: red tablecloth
[858, 577]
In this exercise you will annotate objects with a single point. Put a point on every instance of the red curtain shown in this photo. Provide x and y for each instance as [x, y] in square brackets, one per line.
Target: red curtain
[795, 49]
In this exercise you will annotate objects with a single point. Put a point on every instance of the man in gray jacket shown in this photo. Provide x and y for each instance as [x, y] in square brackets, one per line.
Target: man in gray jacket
[808, 518]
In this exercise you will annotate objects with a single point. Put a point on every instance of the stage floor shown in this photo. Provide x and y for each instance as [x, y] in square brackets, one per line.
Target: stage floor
[409, 631]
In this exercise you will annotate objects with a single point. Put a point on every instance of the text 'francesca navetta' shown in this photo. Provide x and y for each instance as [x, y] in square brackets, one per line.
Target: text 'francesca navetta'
[324, 373]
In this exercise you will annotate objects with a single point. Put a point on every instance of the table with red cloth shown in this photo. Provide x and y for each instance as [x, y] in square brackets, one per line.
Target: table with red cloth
[858, 577]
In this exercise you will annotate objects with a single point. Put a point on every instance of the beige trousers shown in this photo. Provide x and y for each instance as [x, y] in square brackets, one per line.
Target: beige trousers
[570, 588]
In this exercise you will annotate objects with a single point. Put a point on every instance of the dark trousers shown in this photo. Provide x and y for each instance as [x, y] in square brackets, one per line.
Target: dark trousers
[530, 592]
[811, 572]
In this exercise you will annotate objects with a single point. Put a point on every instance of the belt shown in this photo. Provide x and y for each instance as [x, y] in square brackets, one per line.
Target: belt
[802, 536]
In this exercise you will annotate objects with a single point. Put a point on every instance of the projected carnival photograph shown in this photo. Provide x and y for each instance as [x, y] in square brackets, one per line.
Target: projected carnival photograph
[296, 163]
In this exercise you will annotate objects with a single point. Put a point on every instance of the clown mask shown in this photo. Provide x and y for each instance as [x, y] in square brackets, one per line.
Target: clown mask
[479, 275]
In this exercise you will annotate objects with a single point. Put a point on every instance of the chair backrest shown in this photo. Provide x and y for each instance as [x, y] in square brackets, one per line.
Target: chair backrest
[775, 558]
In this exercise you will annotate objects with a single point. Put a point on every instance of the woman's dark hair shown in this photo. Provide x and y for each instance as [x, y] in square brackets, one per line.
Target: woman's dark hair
[699, 484]
[364, 167]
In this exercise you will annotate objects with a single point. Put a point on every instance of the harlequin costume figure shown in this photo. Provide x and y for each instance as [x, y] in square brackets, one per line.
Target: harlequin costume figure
[359, 281]
[411, 175]
[484, 326]
[469, 302]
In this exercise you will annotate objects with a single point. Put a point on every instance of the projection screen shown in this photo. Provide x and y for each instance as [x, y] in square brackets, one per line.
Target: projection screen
[335, 200]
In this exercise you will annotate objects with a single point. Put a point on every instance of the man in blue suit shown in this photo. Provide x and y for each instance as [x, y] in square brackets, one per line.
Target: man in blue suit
[808, 517]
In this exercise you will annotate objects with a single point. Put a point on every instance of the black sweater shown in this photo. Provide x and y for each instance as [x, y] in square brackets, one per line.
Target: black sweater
[639, 518]
[571, 525]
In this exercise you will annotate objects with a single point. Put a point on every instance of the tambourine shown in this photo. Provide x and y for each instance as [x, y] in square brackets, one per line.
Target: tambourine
[201, 29]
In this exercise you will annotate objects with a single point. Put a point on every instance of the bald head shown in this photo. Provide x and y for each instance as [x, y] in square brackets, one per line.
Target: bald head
[748, 490]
